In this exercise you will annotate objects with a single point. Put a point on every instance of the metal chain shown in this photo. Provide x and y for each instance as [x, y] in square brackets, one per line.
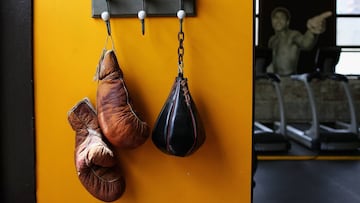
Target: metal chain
[181, 51]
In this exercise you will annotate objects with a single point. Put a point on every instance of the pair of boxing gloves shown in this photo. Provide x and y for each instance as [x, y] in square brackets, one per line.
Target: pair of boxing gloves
[116, 125]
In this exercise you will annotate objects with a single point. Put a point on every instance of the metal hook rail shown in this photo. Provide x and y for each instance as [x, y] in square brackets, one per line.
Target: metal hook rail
[154, 8]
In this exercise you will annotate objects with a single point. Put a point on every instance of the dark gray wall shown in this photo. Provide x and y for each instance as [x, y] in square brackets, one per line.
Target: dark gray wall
[329, 95]
[17, 111]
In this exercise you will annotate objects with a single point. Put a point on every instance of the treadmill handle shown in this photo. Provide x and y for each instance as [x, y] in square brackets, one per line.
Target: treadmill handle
[302, 77]
[269, 76]
[338, 77]
[306, 76]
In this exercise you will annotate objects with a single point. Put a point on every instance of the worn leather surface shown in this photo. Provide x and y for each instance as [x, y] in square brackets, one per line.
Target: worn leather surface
[96, 164]
[119, 121]
[178, 130]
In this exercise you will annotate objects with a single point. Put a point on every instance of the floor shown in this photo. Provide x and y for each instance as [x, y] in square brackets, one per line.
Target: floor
[307, 182]
[299, 151]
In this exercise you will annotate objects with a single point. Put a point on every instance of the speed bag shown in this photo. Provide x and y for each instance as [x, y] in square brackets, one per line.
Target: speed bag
[178, 129]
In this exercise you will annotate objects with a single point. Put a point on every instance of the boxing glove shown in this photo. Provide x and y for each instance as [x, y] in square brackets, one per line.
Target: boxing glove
[178, 129]
[117, 117]
[95, 162]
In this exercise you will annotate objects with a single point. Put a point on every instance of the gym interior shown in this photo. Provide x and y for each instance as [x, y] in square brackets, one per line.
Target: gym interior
[50, 50]
[306, 125]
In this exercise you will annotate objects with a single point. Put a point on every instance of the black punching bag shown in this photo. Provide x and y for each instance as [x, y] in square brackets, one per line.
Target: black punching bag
[178, 130]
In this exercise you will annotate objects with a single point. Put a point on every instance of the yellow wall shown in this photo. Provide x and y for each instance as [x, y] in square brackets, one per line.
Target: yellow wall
[218, 61]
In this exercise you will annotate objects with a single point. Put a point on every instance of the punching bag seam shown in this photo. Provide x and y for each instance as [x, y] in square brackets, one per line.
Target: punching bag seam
[170, 124]
[187, 101]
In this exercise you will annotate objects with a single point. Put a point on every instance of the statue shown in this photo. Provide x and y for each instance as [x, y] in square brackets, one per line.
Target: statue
[287, 43]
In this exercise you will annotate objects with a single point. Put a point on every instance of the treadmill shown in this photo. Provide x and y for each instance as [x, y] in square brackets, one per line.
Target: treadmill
[269, 137]
[326, 60]
[320, 136]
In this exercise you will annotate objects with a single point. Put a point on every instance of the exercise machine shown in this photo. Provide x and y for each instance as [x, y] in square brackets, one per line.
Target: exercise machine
[321, 136]
[326, 59]
[269, 137]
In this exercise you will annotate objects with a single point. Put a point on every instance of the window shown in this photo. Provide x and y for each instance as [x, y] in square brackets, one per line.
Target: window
[347, 36]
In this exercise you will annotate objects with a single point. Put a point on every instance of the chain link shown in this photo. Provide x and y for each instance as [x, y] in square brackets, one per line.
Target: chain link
[181, 51]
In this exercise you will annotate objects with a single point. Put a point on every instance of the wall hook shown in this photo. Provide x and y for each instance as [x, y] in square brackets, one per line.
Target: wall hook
[181, 15]
[105, 16]
[142, 16]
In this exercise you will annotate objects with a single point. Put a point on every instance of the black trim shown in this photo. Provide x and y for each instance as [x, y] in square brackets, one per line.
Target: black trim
[347, 15]
[351, 47]
[18, 173]
[254, 160]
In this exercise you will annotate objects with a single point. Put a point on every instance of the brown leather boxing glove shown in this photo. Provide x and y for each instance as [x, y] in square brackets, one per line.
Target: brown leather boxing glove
[95, 162]
[117, 117]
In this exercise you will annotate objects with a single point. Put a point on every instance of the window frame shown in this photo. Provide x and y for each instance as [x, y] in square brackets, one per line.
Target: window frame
[345, 48]
[336, 26]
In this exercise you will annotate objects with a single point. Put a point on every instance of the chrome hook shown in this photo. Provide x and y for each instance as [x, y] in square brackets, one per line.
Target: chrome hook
[181, 13]
[142, 16]
[105, 16]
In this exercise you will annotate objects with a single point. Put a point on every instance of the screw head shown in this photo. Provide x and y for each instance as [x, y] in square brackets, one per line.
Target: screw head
[181, 14]
[105, 16]
[142, 15]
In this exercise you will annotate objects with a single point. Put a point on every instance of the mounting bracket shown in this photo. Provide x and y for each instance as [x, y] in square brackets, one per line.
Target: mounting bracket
[153, 8]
